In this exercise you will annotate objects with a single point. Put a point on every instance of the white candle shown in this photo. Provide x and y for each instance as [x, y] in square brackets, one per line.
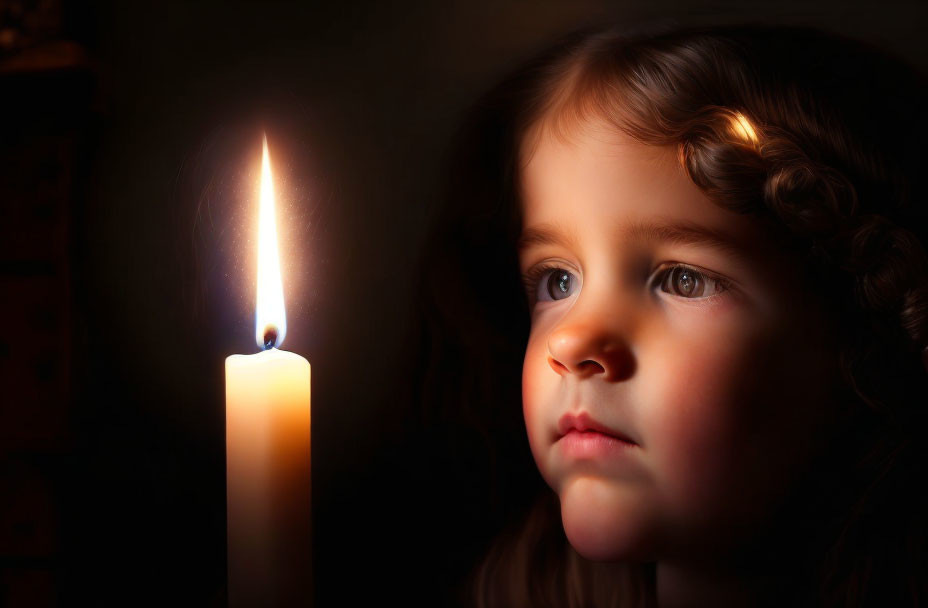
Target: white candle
[268, 464]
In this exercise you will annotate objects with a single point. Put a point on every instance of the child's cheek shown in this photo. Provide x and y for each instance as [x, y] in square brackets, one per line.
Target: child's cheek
[540, 392]
[708, 386]
[688, 422]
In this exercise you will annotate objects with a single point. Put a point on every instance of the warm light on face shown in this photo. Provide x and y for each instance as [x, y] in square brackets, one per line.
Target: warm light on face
[706, 386]
[270, 305]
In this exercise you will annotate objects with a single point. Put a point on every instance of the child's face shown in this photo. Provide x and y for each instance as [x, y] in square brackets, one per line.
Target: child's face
[675, 324]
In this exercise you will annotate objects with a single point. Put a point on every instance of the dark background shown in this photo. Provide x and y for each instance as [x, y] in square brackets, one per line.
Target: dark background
[130, 139]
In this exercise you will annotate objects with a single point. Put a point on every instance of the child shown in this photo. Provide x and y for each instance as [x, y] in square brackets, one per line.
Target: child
[722, 238]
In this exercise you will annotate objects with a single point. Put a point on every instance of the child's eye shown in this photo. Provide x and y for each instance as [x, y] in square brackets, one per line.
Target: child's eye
[547, 283]
[551, 283]
[688, 282]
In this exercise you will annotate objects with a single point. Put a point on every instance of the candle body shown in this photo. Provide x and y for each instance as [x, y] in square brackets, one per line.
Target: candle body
[268, 475]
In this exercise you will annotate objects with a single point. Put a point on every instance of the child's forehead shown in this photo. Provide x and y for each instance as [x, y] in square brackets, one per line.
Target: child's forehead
[566, 127]
[594, 152]
[594, 143]
[599, 180]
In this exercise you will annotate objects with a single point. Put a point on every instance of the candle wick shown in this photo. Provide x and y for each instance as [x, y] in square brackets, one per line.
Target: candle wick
[270, 337]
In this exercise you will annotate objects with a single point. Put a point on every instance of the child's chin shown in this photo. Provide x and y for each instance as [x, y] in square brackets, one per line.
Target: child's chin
[605, 521]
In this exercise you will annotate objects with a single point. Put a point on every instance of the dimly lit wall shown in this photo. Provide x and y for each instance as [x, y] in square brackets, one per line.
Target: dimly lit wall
[127, 262]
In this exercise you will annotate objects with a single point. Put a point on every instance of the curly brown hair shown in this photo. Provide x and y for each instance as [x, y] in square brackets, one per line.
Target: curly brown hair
[819, 137]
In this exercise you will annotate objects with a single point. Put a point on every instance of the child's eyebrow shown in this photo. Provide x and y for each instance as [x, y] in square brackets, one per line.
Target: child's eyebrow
[544, 234]
[686, 233]
[680, 233]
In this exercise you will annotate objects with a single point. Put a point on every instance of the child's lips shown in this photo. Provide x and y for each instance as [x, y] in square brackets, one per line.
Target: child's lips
[582, 437]
[593, 445]
[582, 424]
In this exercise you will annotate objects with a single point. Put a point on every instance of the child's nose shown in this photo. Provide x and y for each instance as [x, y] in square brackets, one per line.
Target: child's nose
[589, 349]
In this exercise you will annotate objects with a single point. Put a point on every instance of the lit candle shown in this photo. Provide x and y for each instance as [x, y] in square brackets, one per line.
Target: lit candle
[268, 469]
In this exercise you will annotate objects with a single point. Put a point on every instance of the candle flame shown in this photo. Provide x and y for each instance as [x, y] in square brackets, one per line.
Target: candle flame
[270, 314]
